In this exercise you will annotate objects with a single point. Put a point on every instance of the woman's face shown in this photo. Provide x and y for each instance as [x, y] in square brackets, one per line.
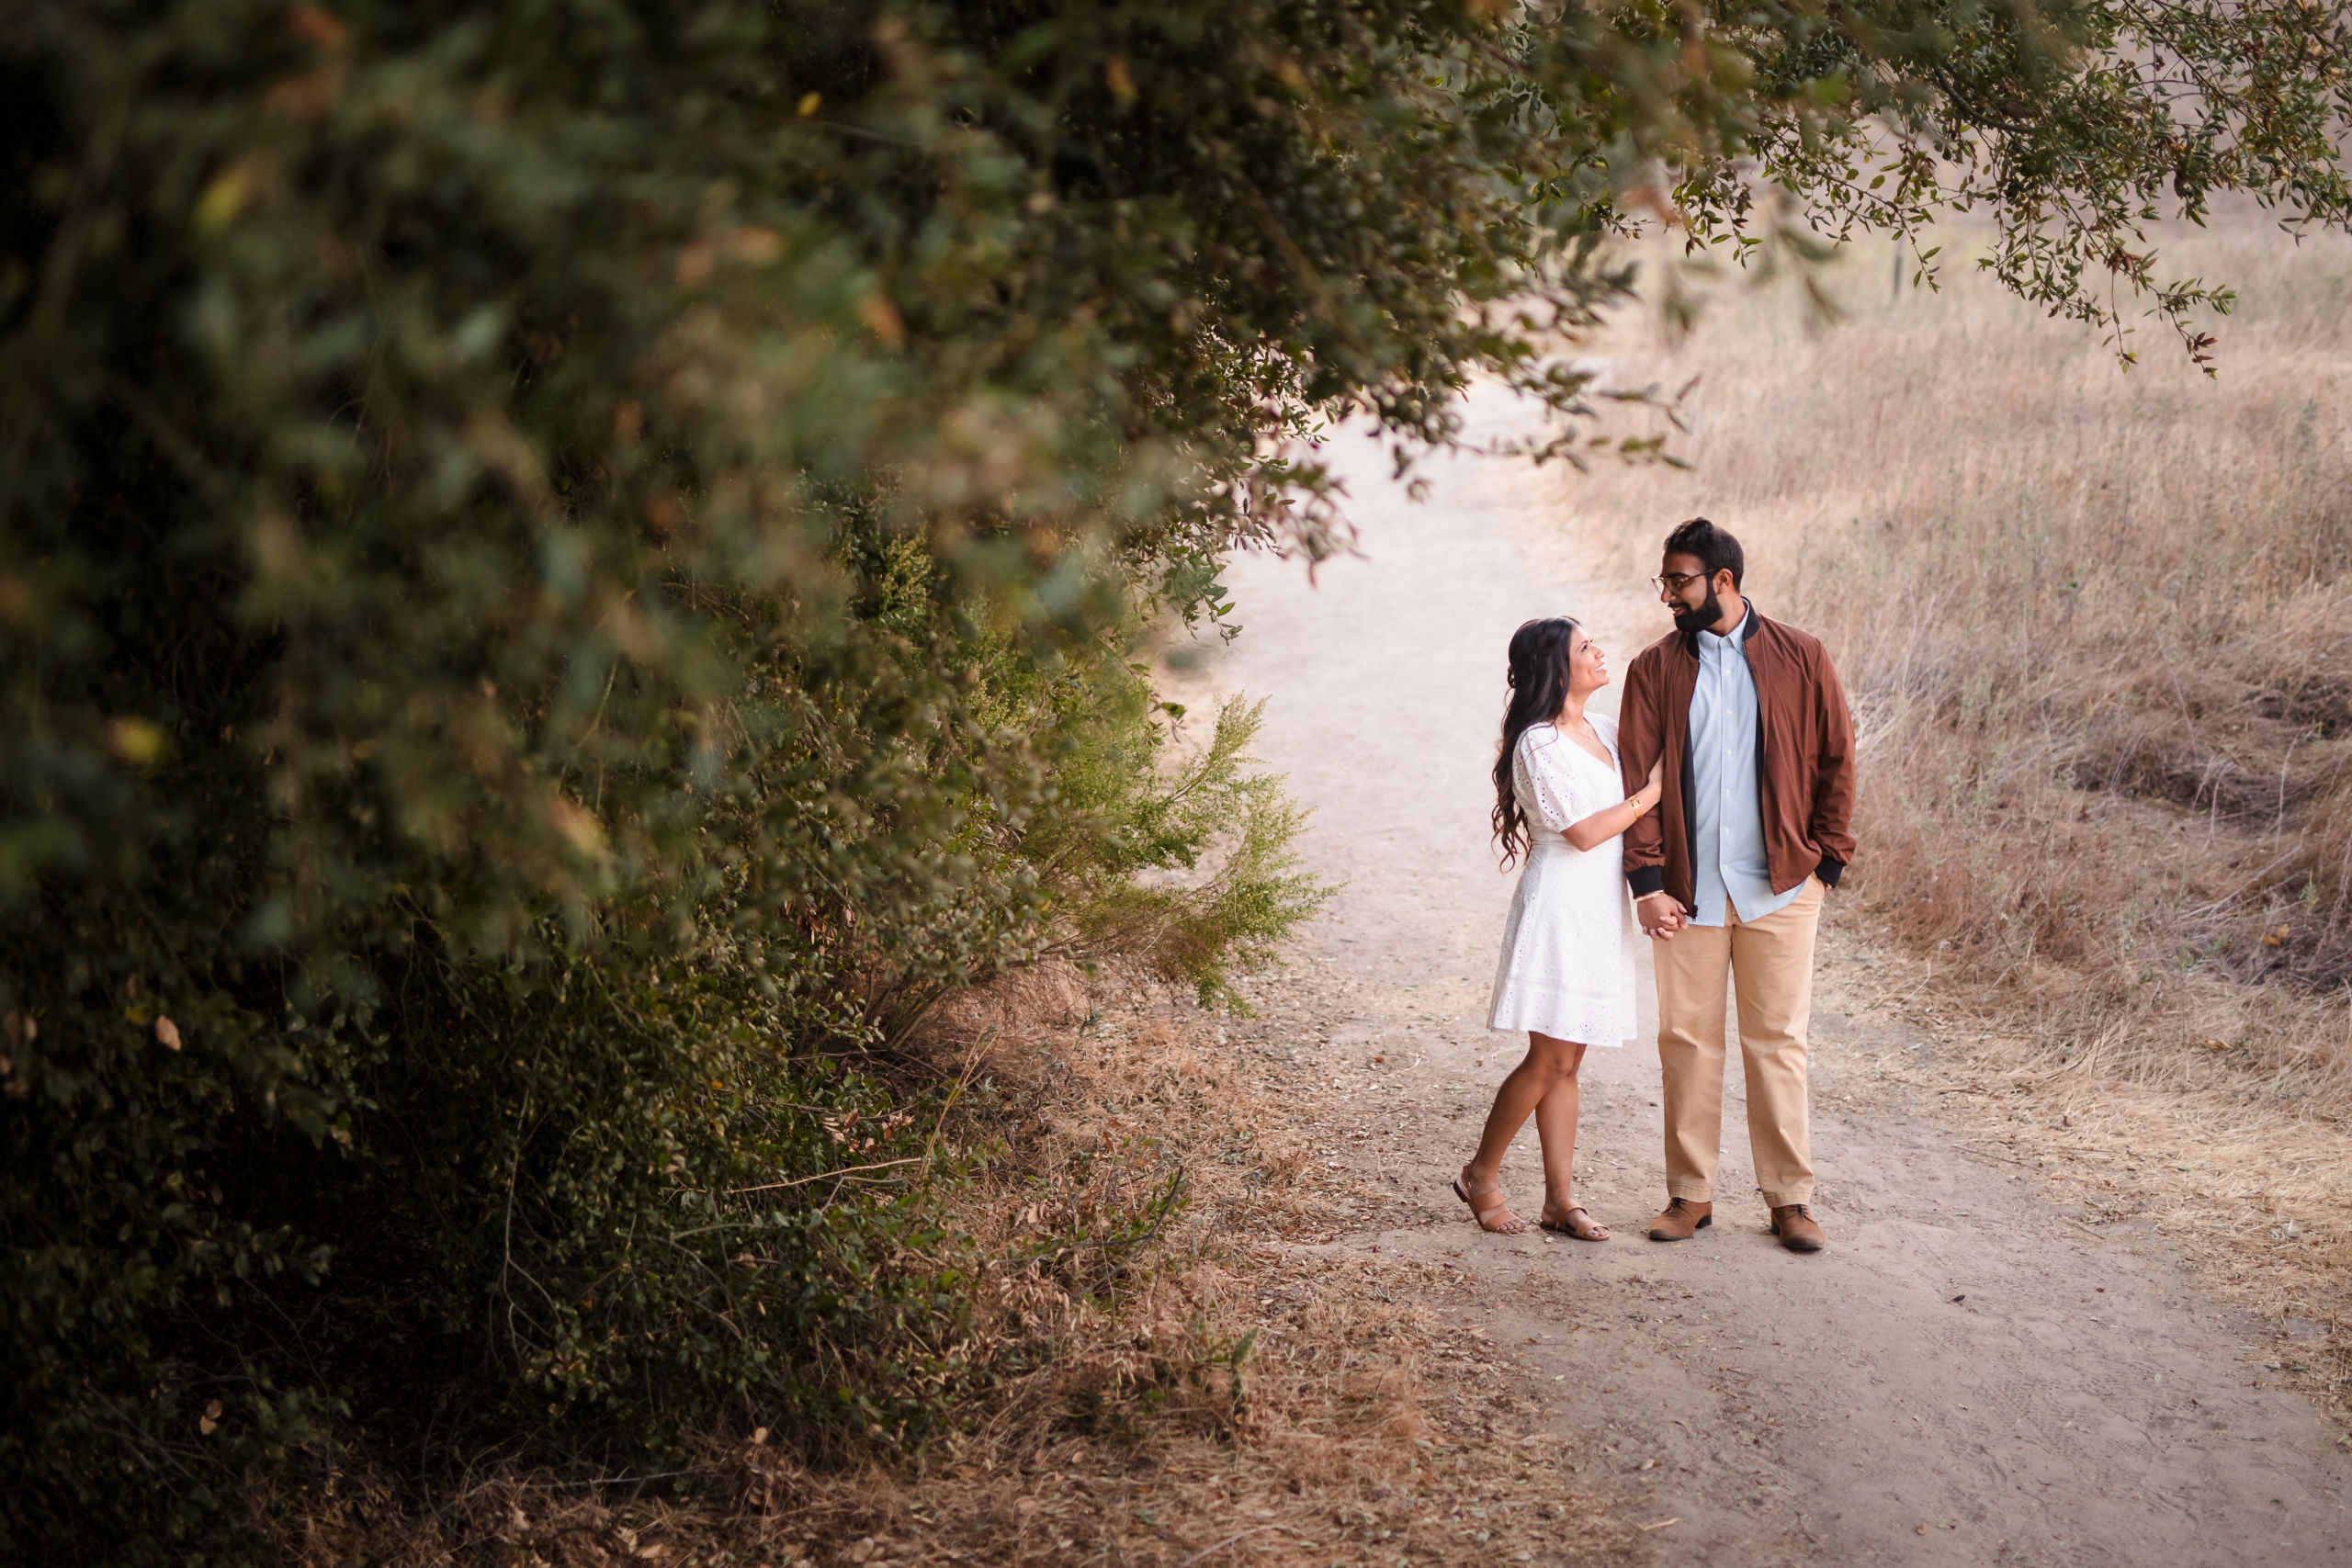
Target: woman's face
[1587, 666]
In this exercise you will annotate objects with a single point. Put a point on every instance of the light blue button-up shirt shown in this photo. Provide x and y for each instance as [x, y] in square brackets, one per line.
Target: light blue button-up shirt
[1727, 805]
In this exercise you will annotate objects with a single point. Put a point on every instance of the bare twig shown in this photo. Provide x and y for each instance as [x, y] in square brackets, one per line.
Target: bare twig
[825, 1175]
[1243, 1535]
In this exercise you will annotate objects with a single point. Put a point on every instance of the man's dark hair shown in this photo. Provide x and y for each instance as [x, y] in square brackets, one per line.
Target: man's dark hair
[1716, 549]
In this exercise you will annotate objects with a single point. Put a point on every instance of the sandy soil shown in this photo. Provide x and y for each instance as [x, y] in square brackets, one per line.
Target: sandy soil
[1973, 1372]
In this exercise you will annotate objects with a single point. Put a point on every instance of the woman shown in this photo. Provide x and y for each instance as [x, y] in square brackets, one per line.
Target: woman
[1566, 975]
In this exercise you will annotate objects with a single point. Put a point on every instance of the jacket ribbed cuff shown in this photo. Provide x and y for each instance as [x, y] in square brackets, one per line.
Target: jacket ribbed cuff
[1646, 880]
[1829, 871]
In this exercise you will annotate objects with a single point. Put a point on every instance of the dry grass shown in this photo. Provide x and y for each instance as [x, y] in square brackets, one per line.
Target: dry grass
[1232, 1399]
[2097, 629]
[2097, 626]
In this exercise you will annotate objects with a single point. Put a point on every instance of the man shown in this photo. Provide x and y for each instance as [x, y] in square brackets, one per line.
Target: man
[1730, 871]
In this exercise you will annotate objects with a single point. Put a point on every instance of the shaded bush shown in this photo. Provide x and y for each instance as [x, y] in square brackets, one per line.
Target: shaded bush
[629, 1164]
[565, 575]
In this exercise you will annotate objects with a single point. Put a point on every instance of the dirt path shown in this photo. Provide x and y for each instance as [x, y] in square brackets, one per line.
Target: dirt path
[1969, 1374]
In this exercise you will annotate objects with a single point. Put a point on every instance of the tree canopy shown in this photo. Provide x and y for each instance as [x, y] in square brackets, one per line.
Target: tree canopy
[565, 567]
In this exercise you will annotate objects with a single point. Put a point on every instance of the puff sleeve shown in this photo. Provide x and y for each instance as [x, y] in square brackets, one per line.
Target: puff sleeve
[1545, 779]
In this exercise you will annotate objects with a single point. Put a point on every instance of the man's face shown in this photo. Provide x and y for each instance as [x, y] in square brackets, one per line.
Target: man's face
[1695, 599]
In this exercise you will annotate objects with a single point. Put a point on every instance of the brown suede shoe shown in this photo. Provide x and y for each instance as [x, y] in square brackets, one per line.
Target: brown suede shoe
[1682, 1219]
[1797, 1229]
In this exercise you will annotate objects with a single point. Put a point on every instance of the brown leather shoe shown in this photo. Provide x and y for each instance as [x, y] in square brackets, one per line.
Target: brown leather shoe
[1797, 1229]
[1682, 1219]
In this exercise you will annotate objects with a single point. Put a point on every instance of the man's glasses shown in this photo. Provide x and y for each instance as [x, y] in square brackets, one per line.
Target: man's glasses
[1675, 581]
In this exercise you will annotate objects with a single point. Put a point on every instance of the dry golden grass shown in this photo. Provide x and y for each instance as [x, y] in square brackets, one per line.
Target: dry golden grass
[1234, 1400]
[2096, 627]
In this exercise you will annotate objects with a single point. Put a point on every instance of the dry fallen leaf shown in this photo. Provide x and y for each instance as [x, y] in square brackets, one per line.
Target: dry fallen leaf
[167, 1032]
[754, 246]
[882, 319]
[209, 1421]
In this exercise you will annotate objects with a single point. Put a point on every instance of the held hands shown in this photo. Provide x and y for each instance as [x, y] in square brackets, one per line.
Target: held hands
[1661, 915]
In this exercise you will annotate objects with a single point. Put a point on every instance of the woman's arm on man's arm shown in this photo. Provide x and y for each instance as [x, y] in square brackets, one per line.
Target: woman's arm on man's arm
[1641, 751]
[1611, 821]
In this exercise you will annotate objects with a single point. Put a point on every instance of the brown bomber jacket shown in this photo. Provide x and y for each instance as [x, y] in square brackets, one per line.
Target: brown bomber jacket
[1804, 743]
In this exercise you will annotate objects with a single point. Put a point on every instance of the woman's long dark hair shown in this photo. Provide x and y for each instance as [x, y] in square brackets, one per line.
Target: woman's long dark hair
[1539, 690]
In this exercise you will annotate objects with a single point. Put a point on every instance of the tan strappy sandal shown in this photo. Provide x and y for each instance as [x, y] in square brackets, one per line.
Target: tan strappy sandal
[1512, 1225]
[1593, 1230]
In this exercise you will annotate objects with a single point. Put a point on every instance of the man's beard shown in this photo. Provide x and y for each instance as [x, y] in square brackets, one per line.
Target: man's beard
[1691, 622]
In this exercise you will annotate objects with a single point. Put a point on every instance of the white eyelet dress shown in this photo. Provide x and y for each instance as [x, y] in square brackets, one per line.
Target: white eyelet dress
[1567, 962]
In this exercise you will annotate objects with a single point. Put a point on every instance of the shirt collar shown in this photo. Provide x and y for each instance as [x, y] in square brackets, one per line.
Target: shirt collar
[1738, 637]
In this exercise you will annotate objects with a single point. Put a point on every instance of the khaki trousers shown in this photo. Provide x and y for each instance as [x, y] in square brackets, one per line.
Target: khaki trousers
[1769, 965]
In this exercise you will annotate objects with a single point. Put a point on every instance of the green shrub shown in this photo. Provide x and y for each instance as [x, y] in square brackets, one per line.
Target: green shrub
[1184, 863]
[624, 1174]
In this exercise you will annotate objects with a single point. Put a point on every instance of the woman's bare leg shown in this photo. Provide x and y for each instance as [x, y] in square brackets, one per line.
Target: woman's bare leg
[1520, 1093]
[1555, 1124]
